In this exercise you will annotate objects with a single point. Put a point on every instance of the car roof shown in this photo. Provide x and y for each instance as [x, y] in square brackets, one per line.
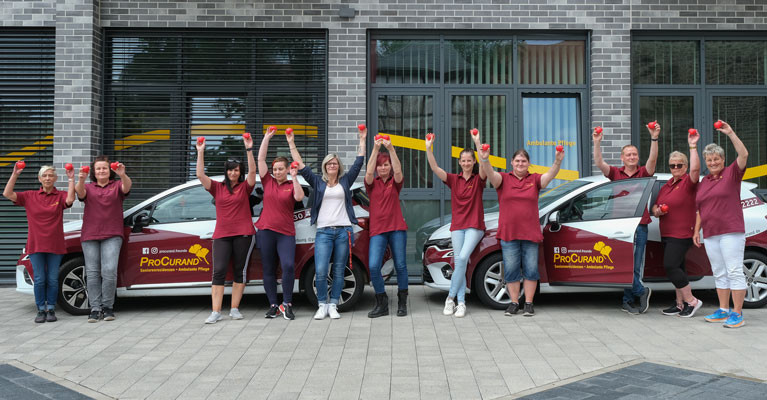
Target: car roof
[660, 176]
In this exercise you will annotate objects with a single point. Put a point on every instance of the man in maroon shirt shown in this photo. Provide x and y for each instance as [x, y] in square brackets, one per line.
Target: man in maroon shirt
[632, 169]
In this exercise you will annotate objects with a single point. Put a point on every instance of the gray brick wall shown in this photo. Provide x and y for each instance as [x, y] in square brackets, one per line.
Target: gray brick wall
[610, 22]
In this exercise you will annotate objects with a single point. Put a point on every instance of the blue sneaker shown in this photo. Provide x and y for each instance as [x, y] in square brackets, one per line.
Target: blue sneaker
[734, 321]
[719, 315]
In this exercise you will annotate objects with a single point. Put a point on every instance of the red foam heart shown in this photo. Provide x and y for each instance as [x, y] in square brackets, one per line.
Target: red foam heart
[692, 131]
[200, 139]
[475, 131]
[429, 136]
[288, 131]
[272, 128]
[294, 164]
[598, 129]
[560, 148]
[718, 124]
[385, 137]
[361, 127]
[85, 169]
[21, 165]
[246, 135]
[651, 125]
[114, 165]
[69, 166]
[485, 147]
[664, 208]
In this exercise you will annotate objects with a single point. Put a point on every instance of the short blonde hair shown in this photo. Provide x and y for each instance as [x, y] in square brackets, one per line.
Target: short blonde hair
[712, 149]
[45, 168]
[678, 154]
[326, 160]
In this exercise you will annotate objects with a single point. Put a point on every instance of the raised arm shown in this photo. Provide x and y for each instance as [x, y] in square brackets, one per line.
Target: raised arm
[441, 174]
[263, 167]
[201, 166]
[80, 186]
[652, 159]
[127, 183]
[598, 161]
[247, 141]
[294, 150]
[547, 177]
[484, 165]
[298, 191]
[740, 148]
[396, 165]
[371, 168]
[694, 158]
[8, 192]
[478, 145]
[70, 187]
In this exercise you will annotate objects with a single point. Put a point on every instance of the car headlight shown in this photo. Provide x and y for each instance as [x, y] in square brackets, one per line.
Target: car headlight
[441, 244]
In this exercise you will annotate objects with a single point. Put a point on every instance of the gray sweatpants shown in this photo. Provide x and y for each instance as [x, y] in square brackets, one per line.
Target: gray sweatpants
[101, 257]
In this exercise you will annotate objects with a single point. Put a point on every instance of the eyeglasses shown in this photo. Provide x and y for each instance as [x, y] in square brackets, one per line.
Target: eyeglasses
[233, 160]
[675, 166]
[332, 163]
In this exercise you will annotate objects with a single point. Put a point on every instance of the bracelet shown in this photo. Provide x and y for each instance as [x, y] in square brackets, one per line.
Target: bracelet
[653, 140]
[484, 159]
[693, 147]
[248, 149]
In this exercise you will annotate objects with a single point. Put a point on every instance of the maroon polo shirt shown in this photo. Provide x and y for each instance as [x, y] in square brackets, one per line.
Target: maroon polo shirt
[277, 214]
[385, 210]
[679, 196]
[466, 202]
[617, 174]
[718, 201]
[233, 216]
[518, 200]
[45, 217]
[103, 213]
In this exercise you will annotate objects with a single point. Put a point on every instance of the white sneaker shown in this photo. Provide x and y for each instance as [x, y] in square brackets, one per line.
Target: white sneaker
[449, 307]
[322, 311]
[214, 317]
[460, 311]
[333, 311]
[235, 313]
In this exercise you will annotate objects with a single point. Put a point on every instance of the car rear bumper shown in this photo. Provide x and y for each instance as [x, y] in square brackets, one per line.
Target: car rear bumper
[24, 283]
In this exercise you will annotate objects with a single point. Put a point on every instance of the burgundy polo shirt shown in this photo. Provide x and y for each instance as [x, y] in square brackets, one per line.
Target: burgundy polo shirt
[718, 201]
[518, 200]
[103, 213]
[277, 214]
[45, 217]
[385, 210]
[233, 216]
[679, 196]
[617, 174]
[466, 202]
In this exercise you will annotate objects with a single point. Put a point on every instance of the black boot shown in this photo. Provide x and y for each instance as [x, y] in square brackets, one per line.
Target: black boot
[402, 303]
[382, 306]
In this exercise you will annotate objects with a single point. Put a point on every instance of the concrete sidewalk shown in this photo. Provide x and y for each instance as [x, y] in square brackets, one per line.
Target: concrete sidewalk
[159, 348]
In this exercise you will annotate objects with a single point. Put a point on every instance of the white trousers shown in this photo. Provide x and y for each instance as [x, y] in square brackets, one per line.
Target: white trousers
[725, 253]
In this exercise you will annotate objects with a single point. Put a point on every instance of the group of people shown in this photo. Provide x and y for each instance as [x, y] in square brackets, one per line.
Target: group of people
[712, 204]
[101, 232]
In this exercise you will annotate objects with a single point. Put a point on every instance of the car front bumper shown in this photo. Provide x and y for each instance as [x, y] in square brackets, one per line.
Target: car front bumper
[434, 276]
[24, 283]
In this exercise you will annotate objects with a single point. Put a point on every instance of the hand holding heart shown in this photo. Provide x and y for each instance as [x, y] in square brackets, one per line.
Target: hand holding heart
[654, 128]
[597, 135]
[693, 139]
[725, 128]
[247, 140]
[429, 140]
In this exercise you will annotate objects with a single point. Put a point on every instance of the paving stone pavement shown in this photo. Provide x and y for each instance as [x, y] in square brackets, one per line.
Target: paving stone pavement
[158, 348]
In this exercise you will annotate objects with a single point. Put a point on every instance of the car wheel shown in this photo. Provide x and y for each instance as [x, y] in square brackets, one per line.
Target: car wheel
[354, 285]
[489, 284]
[755, 268]
[73, 294]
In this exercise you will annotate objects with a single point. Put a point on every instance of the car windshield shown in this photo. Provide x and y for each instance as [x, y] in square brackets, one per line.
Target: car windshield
[557, 192]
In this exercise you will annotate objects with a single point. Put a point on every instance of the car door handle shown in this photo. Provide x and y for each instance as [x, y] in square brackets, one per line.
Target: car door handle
[208, 235]
[621, 235]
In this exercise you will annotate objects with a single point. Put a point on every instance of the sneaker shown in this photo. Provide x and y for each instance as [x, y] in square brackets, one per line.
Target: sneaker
[108, 314]
[630, 308]
[273, 312]
[214, 317]
[512, 309]
[287, 311]
[51, 317]
[460, 311]
[40, 318]
[449, 307]
[673, 310]
[333, 311]
[644, 300]
[94, 316]
[322, 311]
[719, 315]
[529, 311]
[235, 313]
[689, 310]
[735, 320]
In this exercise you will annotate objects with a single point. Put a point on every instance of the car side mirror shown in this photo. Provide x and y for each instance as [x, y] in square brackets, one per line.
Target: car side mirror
[554, 222]
[140, 221]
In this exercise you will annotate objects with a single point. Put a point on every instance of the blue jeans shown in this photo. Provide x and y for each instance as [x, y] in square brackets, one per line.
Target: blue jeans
[520, 259]
[335, 242]
[45, 267]
[640, 241]
[398, 242]
[464, 242]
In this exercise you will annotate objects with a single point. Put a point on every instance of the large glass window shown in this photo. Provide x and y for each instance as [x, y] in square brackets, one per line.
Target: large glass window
[550, 122]
[730, 62]
[479, 61]
[486, 113]
[404, 61]
[748, 117]
[552, 62]
[665, 62]
[675, 114]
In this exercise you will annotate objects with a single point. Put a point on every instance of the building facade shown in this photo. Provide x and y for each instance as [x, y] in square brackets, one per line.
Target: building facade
[140, 80]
